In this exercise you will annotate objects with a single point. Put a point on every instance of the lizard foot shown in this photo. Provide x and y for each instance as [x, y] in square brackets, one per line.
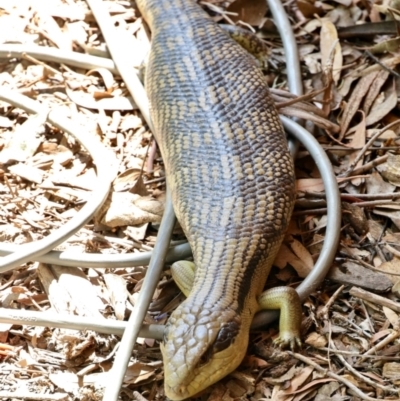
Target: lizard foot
[288, 338]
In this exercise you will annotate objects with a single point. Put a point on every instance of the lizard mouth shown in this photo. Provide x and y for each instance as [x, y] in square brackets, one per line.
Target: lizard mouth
[202, 376]
[185, 391]
[177, 393]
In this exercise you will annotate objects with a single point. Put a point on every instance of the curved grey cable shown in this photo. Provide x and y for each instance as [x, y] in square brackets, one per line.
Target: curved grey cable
[293, 76]
[333, 202]
[139, 95]
[100, 260]
[106, 172]
[94, 260]
[51, 319]
[70, 258]
[133, 84]
[88, 61]
[312, 281]
[75, 59]
[331, 241]
[309, 285]
[293, 70]
[139, 311]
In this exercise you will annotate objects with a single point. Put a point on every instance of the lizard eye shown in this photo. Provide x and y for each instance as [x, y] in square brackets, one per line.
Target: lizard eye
[226, 336]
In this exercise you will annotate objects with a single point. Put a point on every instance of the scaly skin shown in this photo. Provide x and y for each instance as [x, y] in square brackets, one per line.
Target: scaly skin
[232, 183]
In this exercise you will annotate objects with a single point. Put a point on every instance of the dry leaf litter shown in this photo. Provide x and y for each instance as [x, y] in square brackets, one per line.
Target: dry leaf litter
[351, 325]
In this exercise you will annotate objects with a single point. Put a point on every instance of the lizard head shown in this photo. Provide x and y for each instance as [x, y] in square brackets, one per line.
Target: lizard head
[201, 345]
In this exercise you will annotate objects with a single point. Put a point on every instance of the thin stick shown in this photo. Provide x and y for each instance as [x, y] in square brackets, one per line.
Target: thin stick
[340, 379]
[367, 145]
[374, 298]
[362, 377]
[324, 311]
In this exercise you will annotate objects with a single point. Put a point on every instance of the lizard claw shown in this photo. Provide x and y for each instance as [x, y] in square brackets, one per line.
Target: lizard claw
[288, 338]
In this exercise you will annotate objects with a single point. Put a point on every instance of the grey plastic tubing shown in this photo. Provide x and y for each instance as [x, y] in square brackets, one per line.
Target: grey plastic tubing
[284, 27]
[137, 91]
[64, 321]
[310, 283]
[131, 333]
[331, 241]
[87, 260]
[293, 69]
[129, 338]
[161, 252]
[43, 53]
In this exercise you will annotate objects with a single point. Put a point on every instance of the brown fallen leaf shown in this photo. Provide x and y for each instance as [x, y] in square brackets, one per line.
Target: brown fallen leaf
[302, 253]
[125, 208]
[235, 389]
[379, 335]
[298, 380]
[386, 46]
[288, 375]
[128, 180]
[391, 370]
[59, 153]
[316, 340]
[392, 215]
[350, 273]
[70, 291]
[312, 384]
[84, 181]
[330, 45]
[391, 169]
[374, 376]
[137, 232]
[377, 185]
[286, 256]
[254, 362]
[355, 100]
[251, 12]
[316, 184]
[246, 381]
[396, 289]
[392, 316]
[309, 8]
[374, 90]
[106, 76]
[392, 266]
[358, 141]
[138, 372]
[117, 292]
[383, 104]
